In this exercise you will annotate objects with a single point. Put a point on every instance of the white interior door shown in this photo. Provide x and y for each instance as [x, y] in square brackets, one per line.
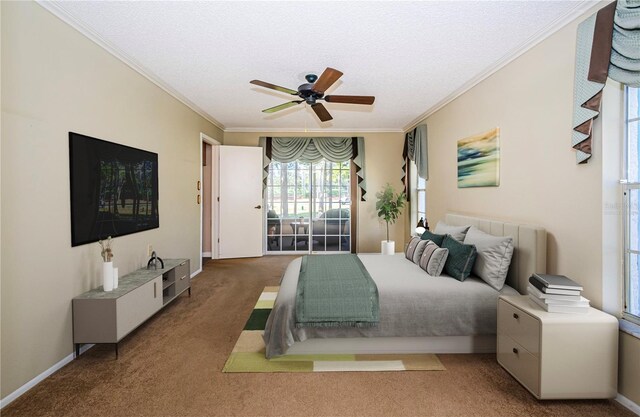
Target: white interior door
[240, 205]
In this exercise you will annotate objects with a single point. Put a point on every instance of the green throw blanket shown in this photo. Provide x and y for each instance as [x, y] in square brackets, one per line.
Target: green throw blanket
[336, 290]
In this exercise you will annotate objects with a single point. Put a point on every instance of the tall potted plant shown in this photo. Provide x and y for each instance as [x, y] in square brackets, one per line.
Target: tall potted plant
[389, 207]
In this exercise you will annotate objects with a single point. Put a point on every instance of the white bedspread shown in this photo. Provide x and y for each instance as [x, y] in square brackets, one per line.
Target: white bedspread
[412, 303]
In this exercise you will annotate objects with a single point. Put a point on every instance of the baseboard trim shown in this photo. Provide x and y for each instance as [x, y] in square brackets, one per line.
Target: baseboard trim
[35, 381]
[206, 254]
[196, 273]
[628, 404]
[39, 378]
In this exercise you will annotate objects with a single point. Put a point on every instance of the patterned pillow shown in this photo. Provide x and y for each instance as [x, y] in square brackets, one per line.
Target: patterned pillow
[414, 249]
[437, 239]
[433, 258]
[460, 260]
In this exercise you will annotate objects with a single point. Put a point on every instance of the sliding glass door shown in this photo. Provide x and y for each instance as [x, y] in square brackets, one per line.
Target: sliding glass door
[308, 207]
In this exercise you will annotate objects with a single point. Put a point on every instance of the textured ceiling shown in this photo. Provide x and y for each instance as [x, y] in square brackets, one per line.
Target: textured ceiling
[410, 55]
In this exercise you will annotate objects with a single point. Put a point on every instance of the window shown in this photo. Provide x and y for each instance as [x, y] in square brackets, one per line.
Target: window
[631, 310]
[421, 199]
[308, 207]
[418, 195]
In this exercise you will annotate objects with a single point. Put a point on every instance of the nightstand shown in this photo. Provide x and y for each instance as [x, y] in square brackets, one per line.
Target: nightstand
[555, 355]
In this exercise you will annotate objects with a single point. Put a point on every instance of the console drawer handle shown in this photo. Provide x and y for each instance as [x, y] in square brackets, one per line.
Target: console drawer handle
[183, 277]
[515, 316]
[515, 350]
[182, 264]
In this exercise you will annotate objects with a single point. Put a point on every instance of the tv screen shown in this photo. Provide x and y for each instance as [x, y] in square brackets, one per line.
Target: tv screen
[114, 189]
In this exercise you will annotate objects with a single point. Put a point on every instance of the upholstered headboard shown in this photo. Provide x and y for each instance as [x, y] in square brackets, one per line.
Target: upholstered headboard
[530, 246]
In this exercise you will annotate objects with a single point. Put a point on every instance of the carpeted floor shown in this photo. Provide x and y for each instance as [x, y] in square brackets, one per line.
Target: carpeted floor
[172, 366]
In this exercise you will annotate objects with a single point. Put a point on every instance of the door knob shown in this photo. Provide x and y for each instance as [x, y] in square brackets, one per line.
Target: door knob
[258, 207]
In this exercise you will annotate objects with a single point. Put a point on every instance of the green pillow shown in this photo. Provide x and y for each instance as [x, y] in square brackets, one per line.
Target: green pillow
[437, 239]
[460, 260]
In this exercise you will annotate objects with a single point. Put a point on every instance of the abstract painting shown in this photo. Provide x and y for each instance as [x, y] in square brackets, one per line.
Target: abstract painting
[479, 160]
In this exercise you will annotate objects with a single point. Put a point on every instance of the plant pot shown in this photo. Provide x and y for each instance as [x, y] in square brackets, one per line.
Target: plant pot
[107, 276]
[388, 247]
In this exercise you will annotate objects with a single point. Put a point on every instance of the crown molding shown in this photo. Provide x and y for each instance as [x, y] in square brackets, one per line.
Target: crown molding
[535, 39]
[307, 130]
[60, 13]
[532, 41]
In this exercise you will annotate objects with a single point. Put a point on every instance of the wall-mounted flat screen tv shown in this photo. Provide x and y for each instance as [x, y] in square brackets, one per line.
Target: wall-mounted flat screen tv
[114, 189]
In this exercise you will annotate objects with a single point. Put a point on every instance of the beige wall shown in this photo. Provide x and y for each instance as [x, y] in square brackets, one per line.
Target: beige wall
[54, 81]
[530, 99]
[383, 161]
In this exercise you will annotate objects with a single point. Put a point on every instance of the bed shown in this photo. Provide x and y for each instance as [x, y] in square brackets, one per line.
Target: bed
[418, 313]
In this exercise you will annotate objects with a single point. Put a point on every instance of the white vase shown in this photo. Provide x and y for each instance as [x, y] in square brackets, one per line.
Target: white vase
[115, 278]
[388, 247]
[107, 276]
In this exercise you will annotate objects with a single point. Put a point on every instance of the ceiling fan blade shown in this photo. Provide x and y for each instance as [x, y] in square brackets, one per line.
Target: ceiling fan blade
[282, 106]
[351, 99]
[326, 80]
[274, 87]
[321, 112]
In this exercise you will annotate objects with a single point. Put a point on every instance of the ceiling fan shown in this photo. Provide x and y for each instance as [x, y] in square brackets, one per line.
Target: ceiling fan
[313, 91]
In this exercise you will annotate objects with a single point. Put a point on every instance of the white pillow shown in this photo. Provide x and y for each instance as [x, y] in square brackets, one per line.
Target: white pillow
[433, 258]
[494, 256]
[456, 232]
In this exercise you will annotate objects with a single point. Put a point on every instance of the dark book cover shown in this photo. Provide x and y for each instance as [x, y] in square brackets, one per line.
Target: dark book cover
[558, 282]
[533, 280]
[536, 283]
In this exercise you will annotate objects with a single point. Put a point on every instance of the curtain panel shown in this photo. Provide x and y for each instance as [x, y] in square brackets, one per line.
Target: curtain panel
[587, 94]
[304, 149]
[607, 45]
[415, 149]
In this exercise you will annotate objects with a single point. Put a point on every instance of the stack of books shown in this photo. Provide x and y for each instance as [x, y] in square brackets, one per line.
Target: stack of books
[557, 294]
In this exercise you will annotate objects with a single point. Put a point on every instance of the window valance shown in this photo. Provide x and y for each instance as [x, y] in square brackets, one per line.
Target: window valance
[607, 45]
[624, 64]
[415, 149]
[334, 149]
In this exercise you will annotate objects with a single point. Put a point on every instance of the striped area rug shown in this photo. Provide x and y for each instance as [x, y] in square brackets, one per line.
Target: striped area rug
[248, 353]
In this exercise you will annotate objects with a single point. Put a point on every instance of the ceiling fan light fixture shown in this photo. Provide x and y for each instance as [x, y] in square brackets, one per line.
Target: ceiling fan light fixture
[313, 91]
